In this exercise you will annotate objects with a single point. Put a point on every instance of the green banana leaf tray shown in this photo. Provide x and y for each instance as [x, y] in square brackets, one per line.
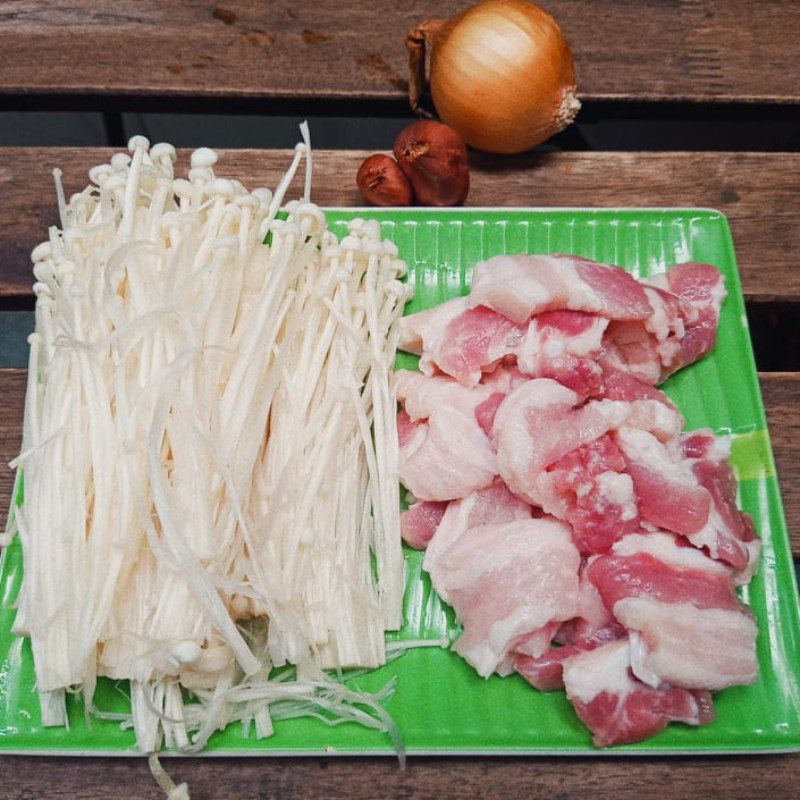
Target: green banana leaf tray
[440, 705]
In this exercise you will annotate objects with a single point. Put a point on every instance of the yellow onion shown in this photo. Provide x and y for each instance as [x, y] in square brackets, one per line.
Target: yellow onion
[501, 74]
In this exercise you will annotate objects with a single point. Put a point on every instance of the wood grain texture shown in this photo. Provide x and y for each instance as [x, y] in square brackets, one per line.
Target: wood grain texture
[758, 192]
[730, 778]
[781, 392]
[12, 397]
[697, 50]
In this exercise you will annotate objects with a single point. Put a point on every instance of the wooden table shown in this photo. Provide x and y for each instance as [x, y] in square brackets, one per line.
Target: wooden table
[345, 57]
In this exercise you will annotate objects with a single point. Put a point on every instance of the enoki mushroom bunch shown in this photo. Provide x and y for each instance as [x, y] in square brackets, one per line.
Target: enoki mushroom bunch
[209, 454]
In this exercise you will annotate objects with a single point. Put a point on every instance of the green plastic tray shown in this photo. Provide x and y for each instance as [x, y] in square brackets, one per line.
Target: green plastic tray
[440, 704]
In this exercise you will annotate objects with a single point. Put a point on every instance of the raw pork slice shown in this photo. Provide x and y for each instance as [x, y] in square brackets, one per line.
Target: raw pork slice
[617, 707]
[590, 489]
[649, 349]
[621, 385]
[459, 341]
[564, 345]
[729, 534]
[592, 627]
[541, 421]
[686, 302]
[493, 504]
[702, 288]
[687, 486]
[686, 625]
[593, 622]
[444, 452]
[421, 333]
[508, 581]
[669, 495]
[521, 286]
[419, 522]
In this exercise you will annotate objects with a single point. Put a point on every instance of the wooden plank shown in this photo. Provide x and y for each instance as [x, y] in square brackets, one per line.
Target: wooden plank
[781, 392]
[697, 50]
[732, 778]
[758, 192]
[12, 397]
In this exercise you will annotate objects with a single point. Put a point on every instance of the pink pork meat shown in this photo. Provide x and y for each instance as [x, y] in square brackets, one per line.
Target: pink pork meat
[592, 627]
[539, 422]
[701, 287]
[617, 707]
[648, 349]
[492, 504]
[564, 345]
[668, 493]
[444, 452]
[522, 286]
[687, 486]
[555, 451]
[687, 627]
[686, 302]
[507, 582]
[621, 385]
[554, 313]
[729, 534]
[459, 341]
[420, 521]
[590, 489]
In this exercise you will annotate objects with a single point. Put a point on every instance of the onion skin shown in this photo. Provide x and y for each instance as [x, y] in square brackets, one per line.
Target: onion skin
[502, 74]
[434, 158]
[382, 183]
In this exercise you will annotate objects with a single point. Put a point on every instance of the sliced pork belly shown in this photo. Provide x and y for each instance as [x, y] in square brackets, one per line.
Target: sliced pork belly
[688, 487]
[686, 301]
[498, 384]
[687, 646]
[593, 622]
[539, 422]
[486, 411]
[621, 385]
[419, 522]
[545, 436]
[617, 707]
[506, 582]
[444, 452]
[669, 495]
[728, 534]
[592, 627]
[649, 348]
[459, 341]
[421, 333]
[546, 673]
[701, 287]
[564, 345]
[493, 504]
[686, 625]
[475, 342]
[590, 489]
[522, 286]
[656, 565]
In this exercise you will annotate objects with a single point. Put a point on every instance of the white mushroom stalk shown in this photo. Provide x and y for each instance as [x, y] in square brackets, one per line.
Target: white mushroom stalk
[209, 438]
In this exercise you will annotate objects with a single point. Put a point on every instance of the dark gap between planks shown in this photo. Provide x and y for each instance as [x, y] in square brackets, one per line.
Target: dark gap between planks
[356, 123]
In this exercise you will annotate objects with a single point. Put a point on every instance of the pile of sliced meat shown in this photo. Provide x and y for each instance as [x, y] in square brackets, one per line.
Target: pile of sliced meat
[583, 538]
